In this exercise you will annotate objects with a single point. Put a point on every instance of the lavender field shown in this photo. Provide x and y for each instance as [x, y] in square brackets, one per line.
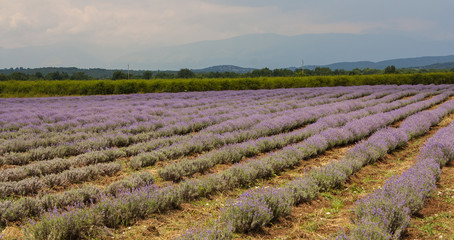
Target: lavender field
[311, 163]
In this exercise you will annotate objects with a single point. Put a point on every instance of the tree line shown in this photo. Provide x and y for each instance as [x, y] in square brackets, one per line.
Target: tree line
[40, 76]
[186, 73]
[266, 72]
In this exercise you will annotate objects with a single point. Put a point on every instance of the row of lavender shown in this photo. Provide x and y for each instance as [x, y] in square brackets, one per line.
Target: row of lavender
[383, 215]
[119, 140]
[98, 140]
[55, 166]
[236, 152]
[286, 122]
[225, 122]
[102, 118]
[31, 206]
[141, 202]
[28, 207]
[57, 173]
[22, 142]
[67, 177]
[90, 112]
[386, 213]
[85, 108]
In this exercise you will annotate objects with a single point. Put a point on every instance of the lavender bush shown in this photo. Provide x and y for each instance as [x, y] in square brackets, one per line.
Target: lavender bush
[236, 152]
[34, 184]
[204, 125]
[269, 127]
[393, 214]
[31, 207]
[389, 209]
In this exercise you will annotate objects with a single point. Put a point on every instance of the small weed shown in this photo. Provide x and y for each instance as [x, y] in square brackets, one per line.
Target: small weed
[389, 174]
[432, 225]
[203, 202]
[448, 196]
[337, 204]
[428, 228]
[313, 226]
[356, 190]
[368, 180]
[449, 199]
[327, 195]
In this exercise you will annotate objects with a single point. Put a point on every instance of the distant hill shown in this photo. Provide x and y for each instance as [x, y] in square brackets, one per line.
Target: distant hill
[434, 62]
[449, 65]
[419, 62]
[225, 68]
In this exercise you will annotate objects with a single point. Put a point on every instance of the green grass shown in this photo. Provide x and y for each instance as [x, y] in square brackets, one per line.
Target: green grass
[435, 225]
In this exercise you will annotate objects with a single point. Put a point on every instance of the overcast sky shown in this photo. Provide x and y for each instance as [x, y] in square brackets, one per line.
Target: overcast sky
[155, 23]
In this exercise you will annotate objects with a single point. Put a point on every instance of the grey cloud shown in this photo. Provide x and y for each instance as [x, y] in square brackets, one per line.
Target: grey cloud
[130, 26]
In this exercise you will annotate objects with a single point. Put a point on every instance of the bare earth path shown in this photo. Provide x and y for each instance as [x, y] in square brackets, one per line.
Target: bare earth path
[331, 211]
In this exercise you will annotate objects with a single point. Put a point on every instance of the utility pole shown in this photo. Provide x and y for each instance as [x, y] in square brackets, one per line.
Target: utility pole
[128, 71]
[302, 67]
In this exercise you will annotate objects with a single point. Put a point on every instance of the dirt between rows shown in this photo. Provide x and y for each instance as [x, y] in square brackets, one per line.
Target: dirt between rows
[195, 214]
[317, 219]
[199, 213]
[436, 219]
[321, 218]
[331, 211]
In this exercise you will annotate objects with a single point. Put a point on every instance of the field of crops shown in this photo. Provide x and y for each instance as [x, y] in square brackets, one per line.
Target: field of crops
[363, 162]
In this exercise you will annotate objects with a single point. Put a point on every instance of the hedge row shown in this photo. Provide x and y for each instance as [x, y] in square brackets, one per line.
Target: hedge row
[103, 87]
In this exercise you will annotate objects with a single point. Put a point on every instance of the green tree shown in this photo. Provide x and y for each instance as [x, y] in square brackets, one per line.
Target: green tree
[369, 71]
[355, 71]
[119, 75]
[39, 75]
[390, 69]
[307, 72]
[230, 75]
[185, 73]
[323, 71]
[216, 74]
[283, 72]
[164, 75]
[79, 76]
[147, 75]
[18, 76]
[57, 76]
[264, 72]
[339, 72]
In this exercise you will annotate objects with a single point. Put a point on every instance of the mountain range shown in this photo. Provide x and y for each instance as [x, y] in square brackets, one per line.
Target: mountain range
[429, 62]
[432, 62]
[435, 62]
